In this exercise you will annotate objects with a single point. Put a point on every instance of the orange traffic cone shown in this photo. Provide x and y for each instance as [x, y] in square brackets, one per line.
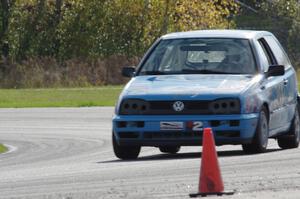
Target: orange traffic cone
[210, 182]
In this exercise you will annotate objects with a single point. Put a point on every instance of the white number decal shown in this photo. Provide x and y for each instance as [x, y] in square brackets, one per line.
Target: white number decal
[197, 126]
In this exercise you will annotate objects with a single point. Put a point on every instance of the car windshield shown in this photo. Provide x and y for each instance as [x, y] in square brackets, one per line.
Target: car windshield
[200, 56]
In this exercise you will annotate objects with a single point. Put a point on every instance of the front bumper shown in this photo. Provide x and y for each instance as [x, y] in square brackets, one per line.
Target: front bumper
[145, 130]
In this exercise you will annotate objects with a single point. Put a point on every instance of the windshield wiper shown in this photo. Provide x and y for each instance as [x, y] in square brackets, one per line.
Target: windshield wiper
[204, 71]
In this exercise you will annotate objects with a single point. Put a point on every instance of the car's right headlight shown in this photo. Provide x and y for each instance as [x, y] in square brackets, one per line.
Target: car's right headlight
[134, 107]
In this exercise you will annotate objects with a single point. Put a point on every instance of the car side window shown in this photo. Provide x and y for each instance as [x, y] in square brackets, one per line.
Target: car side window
[267, 53]
[278, 51]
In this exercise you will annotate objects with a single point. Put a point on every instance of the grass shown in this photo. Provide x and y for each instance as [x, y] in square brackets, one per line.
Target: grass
[2, 148]
[62, 97]
[59, 97]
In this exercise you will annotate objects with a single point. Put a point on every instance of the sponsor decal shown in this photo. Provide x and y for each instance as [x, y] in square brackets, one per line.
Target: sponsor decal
[174, 126]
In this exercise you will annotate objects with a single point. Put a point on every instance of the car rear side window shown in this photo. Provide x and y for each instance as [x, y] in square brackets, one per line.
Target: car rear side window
[267, 54]
[278, 51]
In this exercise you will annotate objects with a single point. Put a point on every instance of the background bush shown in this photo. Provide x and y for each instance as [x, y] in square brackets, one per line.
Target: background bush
[52, 43]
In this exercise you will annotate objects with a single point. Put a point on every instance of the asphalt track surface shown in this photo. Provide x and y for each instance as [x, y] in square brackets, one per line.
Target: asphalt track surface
[67, 153]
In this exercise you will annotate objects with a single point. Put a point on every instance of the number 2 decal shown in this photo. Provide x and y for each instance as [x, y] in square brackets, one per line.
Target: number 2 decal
[197, 126]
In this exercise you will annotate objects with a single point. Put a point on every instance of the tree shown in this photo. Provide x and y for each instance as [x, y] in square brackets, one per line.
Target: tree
[183, 15]
[91, 28]
[6, 7]
[283, 19]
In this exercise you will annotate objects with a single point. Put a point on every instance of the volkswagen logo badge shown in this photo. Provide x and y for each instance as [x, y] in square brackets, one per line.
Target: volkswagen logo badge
[178, 106]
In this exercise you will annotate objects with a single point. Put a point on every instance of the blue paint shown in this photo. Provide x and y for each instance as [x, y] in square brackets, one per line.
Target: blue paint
[251, 90]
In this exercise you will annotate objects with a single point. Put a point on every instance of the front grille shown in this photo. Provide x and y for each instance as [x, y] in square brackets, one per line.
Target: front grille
[190, 108]
[200, 107]
[189, 105]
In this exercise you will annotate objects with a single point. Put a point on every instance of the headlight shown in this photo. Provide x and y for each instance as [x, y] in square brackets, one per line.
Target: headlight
[133, 107]
[225, 106]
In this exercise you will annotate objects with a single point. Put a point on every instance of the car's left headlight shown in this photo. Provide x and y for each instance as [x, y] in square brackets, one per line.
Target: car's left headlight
[225, 106]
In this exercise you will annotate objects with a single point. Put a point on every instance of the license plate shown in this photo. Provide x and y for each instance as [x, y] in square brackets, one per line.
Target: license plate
[171, 126]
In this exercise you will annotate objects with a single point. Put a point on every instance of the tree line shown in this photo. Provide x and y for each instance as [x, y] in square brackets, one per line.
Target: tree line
[46, 43]
[63, 36]
[281, 17]
[86, 28]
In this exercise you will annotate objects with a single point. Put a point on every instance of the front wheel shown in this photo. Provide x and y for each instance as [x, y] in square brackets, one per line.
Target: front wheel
[125, 152]
[292, 139]
[260, 141]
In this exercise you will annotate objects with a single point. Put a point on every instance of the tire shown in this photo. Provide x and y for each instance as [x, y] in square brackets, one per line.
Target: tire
[260, 141]
[291, 140]
[169, 149]
[125, 152]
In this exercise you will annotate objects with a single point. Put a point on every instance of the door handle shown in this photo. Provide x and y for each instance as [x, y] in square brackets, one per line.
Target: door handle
[285, 82]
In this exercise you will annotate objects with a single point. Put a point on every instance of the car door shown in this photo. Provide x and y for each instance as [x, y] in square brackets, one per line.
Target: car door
[289, 92]
[274, 87]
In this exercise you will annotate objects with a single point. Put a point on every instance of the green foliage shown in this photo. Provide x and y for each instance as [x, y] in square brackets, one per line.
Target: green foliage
[281, 13]
[281, 17]
[183, 15]
[91, 29]
[81, 28]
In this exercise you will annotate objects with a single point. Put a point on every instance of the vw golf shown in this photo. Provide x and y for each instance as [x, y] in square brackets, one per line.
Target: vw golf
[239, 83]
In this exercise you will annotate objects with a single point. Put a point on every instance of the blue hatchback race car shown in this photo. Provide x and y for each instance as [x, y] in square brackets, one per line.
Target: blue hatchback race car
[239, 83]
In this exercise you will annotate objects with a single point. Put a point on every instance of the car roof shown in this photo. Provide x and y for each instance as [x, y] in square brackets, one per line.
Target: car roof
[241, 34]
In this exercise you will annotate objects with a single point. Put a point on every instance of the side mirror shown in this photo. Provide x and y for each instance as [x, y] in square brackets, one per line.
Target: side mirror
[128, 71]
[275, 70]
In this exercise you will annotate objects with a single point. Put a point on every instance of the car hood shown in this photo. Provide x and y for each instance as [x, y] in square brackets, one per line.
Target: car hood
[190, 86]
